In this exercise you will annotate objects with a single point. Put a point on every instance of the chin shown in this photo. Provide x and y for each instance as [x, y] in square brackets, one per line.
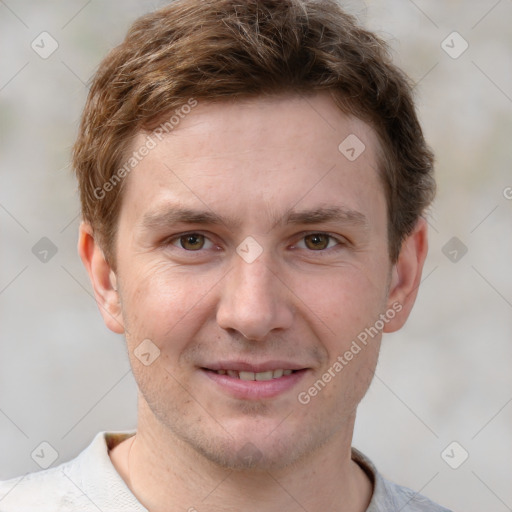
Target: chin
[255, 444]
[248, 455]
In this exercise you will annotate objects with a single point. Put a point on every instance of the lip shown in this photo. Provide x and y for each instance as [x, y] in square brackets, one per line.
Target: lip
[263, 366]
[254, 389]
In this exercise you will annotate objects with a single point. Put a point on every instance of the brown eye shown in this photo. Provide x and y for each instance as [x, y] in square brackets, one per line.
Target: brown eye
[317, 241]
[192, 242]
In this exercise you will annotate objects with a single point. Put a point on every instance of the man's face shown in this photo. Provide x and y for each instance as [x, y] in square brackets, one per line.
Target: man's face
[248, 242]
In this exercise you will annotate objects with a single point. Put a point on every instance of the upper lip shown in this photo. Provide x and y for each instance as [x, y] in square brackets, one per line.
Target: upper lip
[244, 366]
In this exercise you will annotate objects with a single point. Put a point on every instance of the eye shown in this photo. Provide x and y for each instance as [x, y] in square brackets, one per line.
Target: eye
[192, 242]
[318, 242]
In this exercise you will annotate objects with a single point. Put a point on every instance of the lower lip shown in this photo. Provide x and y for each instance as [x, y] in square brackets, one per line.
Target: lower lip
[255, 389]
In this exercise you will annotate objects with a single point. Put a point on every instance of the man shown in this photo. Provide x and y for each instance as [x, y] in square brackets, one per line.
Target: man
[252, 177]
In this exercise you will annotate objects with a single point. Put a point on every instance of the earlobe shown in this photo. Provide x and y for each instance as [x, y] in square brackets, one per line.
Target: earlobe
[103, 279]
[406, 275]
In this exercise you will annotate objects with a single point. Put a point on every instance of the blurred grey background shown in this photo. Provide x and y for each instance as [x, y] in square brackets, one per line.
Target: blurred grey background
[445, 378]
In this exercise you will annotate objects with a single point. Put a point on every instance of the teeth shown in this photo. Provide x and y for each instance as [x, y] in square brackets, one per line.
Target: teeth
[264, 375]
[268, 375]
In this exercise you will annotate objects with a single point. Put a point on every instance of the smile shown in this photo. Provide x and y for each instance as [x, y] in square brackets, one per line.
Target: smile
[244, 375]
[250, 382]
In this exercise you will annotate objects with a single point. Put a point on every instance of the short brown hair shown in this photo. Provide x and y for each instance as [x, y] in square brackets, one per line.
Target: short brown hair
[218, 50]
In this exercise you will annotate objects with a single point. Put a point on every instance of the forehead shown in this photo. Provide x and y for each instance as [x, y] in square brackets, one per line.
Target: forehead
[241, 158]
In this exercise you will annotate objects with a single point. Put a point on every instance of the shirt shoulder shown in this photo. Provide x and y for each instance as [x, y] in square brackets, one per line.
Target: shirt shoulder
[390, 497]
[408, 500]
[50, 489]
[87, 483]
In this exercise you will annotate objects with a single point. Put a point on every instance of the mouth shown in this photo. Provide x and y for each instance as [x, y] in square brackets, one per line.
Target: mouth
[254, 382]
[259, 376]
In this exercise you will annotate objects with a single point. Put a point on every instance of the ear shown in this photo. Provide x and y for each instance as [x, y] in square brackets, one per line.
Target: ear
[102, 277]
[406, 276]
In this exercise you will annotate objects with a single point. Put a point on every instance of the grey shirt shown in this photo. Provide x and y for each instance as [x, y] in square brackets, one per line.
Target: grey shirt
[90, 483]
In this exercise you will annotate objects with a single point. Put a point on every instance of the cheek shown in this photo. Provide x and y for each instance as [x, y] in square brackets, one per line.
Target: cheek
[342, 301]
[163, 302]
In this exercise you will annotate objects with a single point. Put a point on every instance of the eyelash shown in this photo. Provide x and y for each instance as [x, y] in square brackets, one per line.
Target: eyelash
[177, 238]
[340, 242]
[331, 238]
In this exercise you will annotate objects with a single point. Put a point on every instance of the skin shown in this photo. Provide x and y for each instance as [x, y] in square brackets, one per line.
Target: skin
[303, 300]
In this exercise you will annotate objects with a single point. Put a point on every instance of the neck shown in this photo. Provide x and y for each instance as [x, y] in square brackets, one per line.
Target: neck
[166, 474]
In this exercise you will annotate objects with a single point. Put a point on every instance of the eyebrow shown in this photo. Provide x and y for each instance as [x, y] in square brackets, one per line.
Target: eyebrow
[171, 216]
[177, 215]
[327, 214]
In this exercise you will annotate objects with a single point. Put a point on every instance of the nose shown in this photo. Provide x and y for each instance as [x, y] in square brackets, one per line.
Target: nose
[254, 301]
